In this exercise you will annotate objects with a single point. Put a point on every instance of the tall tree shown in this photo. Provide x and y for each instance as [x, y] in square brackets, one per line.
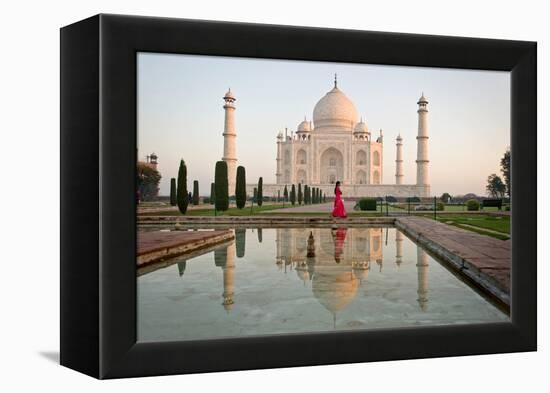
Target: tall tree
[306, 195]
[222, 191]
[260, 200]
[505, 169]
[285, 194]
[278, 196]
[293, 194]
[173, 197]
[212, 193]
[240, 187]
[182, 198]
[148, 182]
[300, 195]
[195, 192]
[495, 186]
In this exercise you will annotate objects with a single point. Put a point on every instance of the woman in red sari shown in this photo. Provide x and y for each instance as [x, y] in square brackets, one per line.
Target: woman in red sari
[339, 210]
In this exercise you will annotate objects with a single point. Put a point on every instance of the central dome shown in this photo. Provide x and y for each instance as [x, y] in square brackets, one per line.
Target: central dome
[335, 111]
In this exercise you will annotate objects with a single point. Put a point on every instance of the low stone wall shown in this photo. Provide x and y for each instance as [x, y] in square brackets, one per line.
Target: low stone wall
[353, 191]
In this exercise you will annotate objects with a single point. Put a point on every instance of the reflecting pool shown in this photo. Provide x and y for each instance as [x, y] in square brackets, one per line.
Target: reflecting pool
[295, 280]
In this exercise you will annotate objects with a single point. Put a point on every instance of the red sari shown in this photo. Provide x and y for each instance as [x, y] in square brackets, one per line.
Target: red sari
[339, 210]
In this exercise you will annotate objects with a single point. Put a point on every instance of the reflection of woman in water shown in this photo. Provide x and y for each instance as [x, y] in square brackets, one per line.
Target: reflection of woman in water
[339, 237]
[339, 210]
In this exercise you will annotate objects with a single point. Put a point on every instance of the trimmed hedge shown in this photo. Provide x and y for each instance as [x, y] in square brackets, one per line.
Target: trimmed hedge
[472, 205]
[368, 204]
[240, 188]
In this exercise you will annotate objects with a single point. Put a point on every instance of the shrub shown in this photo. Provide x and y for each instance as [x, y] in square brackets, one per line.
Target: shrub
[472, 205]
[222, 192]
[260, 196]
[195, 192]
[368, 204]
[413, 199]
[173, 197]
[440, 206]
[240, 187]
[181, 196]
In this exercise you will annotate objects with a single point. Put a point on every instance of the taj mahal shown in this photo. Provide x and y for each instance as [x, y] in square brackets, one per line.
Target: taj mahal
[336, 145]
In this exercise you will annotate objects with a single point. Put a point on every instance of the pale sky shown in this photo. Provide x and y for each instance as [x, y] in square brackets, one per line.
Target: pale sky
[180, 114]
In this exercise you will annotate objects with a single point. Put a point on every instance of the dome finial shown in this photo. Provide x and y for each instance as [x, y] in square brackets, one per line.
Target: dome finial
[335, 80]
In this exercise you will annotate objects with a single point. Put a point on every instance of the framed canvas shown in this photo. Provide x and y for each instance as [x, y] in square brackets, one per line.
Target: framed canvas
[342, 261]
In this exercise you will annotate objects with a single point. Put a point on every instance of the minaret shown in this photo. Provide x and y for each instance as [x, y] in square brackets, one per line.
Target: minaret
[422, 161]
[422, 270]
[230, 141]
[229, 277]
[399, 160]
[279, 174]
[398, 247]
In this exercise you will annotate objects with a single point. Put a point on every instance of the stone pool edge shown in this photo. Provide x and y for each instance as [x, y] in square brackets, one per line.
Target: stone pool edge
[463, 266]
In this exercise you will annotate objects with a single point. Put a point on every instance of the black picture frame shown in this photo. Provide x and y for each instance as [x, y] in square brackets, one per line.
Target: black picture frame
[98, 210]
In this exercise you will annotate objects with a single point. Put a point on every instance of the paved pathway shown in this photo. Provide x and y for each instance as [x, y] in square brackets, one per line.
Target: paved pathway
[156, 246]
[485, 260]
[318, 208]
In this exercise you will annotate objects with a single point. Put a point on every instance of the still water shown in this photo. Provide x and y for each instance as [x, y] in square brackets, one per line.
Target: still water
[294, 280]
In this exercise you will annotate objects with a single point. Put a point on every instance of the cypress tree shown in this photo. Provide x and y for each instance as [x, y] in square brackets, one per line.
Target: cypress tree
[293, 194]
[212, 193]
[181, 193]
[255, 195]
[325, 198]
[315, 195]
[260, 195]
[240, 187]
[222, 192]
[300, 195]
[173, 197]
[285, 194]
[278, 195]
[195, 192]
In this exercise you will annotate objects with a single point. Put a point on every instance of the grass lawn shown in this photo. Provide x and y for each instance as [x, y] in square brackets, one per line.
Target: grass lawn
[498, 227]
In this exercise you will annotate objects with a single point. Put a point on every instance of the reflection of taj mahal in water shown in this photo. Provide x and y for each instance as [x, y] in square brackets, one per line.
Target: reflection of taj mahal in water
[336, 146]
[336, 263]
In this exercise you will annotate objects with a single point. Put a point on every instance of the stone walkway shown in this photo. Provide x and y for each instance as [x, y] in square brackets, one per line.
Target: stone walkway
[319, 208]
[483, 259]
[156, 246]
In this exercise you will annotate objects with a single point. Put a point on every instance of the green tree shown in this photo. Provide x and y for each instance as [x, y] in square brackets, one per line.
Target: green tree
[212, 193]
[293, 194]
[306, 195]
[505, 169]
[278, 196]
[324, 197]
[255, 195]
[300, 195]
[285, 194]
[240, 187]
[222, 188]
[148, 182]
[173, 197]
[260, 199]
[195, 192]
[495, 186]
[446, 197]
[182, 197]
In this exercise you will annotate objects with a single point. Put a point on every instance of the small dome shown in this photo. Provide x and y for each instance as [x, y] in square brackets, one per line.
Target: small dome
[422, 99]
[304, 126]
[361, 127]
[229, 95]
[335, 111]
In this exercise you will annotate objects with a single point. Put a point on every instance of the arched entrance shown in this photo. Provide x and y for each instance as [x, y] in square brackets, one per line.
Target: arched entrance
[332, 166]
